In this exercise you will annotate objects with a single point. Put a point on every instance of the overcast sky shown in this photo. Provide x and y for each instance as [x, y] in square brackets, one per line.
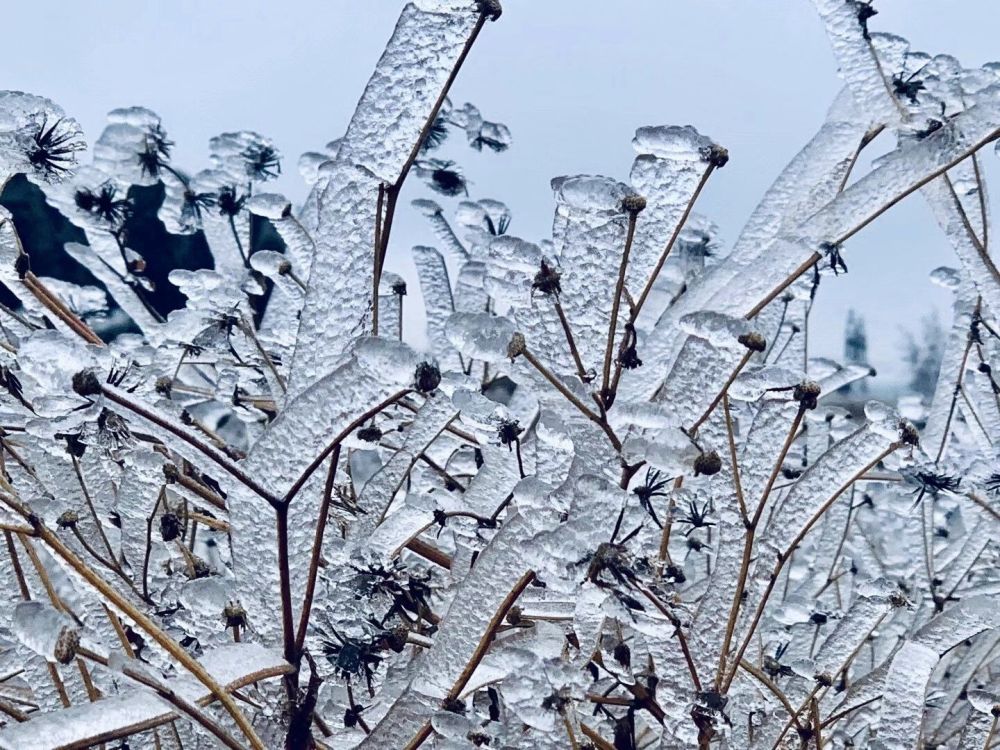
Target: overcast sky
[571, 78]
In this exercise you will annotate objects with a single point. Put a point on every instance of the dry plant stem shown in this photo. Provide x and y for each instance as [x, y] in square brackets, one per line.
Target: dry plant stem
[981, 189]
[90, 506]
[681, 638]
[60, 310]
[978, 244]
[748, 543]
[766, 681]
[670, 243]
[868, 220]
[480, 651]
[984, 504]
[581, 371]
[737, 482]
[248, 329]
[184, 706]
[285, 582]
[144, 622]
[118, 397]
[335, 443]
[559, 386]
[376, 270]
[616, 302]
[723, 392]
[786, 554]
[593, 736]
[317, 550]
[954, 399]
[201, 491]
[429, 552]
[384, 228]
[816, 724]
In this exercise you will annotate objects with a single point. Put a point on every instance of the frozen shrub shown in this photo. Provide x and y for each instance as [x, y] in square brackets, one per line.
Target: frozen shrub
[610, 507]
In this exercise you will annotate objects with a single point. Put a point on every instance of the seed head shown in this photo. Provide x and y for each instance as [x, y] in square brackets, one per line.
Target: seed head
[86, 383]
[170, 526]
[68, 519]
[707, 464]
[491, 9]
[633, 203]
[908, 433]
[715, 155]
[517, 346]
[234, 615]
[427, 377]
[547, 280]
[753, 341]
[370, 434]
[807, 394]
[66, 645]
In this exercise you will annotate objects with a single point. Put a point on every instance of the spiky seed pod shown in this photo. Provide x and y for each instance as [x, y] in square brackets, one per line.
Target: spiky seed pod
[547, 280]
[508, 431]
[753, 341]
[427, 377]
[707, 463]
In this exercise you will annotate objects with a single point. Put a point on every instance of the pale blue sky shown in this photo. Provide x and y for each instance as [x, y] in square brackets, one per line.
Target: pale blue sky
[572, 79]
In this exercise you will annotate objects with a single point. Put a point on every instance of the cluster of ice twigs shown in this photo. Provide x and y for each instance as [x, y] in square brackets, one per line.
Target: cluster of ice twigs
[608, 507]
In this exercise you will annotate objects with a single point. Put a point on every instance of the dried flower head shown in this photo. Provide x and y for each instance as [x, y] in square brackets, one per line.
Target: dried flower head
[707, 463]
[753, 341]
[427, 377]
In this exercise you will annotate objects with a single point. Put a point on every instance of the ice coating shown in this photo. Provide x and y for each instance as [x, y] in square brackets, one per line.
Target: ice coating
[480, 335]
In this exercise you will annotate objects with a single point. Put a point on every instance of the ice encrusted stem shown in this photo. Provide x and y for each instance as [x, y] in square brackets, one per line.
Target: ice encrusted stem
[168, 644]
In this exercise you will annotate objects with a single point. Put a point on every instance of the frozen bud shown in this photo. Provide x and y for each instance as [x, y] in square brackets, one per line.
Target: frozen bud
[68, 519]
[908, 433]
[517, 346]
[715, 155]
[633, 203]
[399, 288]
[170, 526]
[427, 377]
[66, 645]
[492, 9]
[284, 267]
[807, 394]
[171, 473]
[86, 383]
[753, 341]
[707, 464]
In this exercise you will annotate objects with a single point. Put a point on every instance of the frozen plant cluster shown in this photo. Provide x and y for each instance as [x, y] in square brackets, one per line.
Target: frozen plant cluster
[609, 507]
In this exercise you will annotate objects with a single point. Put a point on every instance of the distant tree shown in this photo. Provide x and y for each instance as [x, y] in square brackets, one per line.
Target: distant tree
[924, 354]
